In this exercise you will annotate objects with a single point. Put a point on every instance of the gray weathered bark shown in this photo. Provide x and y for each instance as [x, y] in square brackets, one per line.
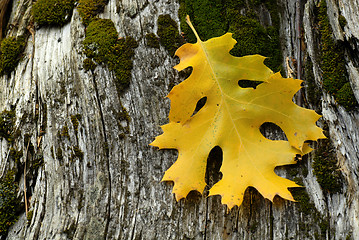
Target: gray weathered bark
[117, 194]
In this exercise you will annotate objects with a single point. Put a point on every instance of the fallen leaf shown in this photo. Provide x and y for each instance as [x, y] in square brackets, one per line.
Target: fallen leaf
[231, 119]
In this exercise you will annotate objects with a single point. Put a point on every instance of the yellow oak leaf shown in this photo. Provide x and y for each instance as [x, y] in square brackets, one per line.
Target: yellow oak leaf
[231, 119]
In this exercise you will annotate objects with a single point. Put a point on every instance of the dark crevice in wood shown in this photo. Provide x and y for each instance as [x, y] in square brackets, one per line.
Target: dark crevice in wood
[205, 225]
[237, 220]
[4, 5]
[107, 156]
[271, 220]
[250, 193]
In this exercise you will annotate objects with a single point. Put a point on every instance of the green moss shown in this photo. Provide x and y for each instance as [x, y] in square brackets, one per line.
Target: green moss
[121, 61]
[335, 77]
[345, 97]
[75, 121]
[308, 209]
[272, 6]
[53, 12]
[29, 216]
[325, 167]
[168, 33]
[89, 65]
[7, 121]
[77, 153]
[104, 47]
[305, 205]
[9, 202]
[89, 9]
[214, 18]
[65, 131]
[15, 155]
[208, 17]
[101, 35]
[324, 227]
[152, 40]
[11, 52]
[253, 38]
[342, 21]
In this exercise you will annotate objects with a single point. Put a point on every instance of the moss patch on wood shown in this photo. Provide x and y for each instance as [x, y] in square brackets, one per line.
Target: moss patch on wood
[89, 9]
[325, 167]
[103, 46]
[308, 209]
[332, 63]
[65, 131]
[304, 203]
[152, 40]
[7, 121]
[9, 202]
[15, 155]
[53, 12]
[253, 38]
[168, 33]
[213, 18]
[342, 21]
[29, 216]
[121, 61]
[11, 52]
[89, 65]
[75, 121]
[101, 36]
[208, 16]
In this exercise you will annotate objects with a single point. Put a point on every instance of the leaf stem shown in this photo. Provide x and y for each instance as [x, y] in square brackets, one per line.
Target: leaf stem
[193, 29]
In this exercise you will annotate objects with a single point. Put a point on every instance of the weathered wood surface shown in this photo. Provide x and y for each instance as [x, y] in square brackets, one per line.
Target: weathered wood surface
[117, 194]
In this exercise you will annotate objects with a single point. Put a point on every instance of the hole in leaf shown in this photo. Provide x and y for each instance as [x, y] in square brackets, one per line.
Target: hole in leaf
[185, 73]
[248, 84]
[199, 105]
[214, 163]
[272, 131]
[193, 197]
